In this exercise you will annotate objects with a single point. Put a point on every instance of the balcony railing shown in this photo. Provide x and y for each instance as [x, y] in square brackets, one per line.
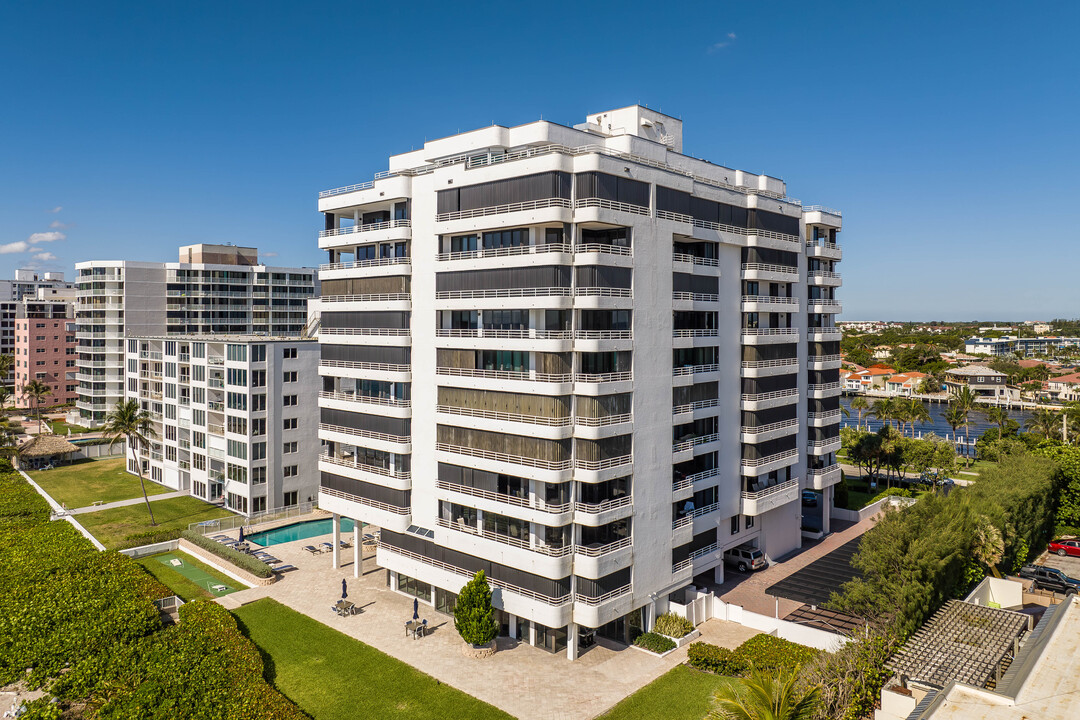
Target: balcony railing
[532, 502]
[771, 490]
[695, 297]
[818, 444]
[824, 416]
[522, 376]
[602, 421]
[772, 395]
[605, 506]
[500, 334]
[760, 364]
[504, 457]
[505, 539]
[365, 399]
[821, 209]
[383, 332]
[823, 471]
[372, 262]
[694, 260]
[769, 459]
[379, 367]
[691, 407]
[694, 442]
[822, 359]
[604, 377]
[823, 387]
[603, 334]
[770, 267]
[370, 227]
[505, 417]
[371, 297]
[503, 252]
[695, 369]
[770, 427]
[611, 205]
[370, 434]
[350, 462]
[603, 464]
[681, 566]
[601, 550]
[603, 248]
[695, 333]
[769, 332]
[603, 292]
[606, 597]
[500, 209]
[394, 509]
[503, 293]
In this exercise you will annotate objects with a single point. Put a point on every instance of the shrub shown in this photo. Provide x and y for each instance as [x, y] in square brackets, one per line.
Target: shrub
[655, 643]
[897, 492]
[769, 653]
[474, 617]
[241, 560]
[850, 679]
[150, 537]
[840, 494]
[673, 625]
[714, 659]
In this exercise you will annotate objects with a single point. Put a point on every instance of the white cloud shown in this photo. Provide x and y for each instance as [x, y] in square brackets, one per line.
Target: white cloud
[45, 237]
[44, 256]
[14, 247]
[56, 209]
[716, 47]
[57, 225]
[269, 254]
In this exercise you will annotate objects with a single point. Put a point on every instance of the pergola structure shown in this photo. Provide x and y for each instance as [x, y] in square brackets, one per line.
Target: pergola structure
[962, 642]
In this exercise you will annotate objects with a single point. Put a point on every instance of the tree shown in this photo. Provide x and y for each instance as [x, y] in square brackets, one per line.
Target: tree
[35, 391]
[474, 617]
[6, 361]
[860, 405]
[5, 395]
[129, 422]
[764, 697]
[997, 416]
[884, 410]
[1045, 423]
[917, 413]
[959, 413]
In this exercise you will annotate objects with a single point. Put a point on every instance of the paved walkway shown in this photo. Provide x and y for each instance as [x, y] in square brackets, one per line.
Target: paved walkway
[749, 590]
[525, 681]
[126, 503]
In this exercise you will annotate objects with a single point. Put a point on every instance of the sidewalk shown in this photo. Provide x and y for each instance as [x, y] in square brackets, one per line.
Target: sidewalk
[126, 503]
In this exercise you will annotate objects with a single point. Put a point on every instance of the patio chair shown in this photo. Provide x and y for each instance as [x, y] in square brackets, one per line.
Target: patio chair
[283, 568]
[312, 549]
[329, 546]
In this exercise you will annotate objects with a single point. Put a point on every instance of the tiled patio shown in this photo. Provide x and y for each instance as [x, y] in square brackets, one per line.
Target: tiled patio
[526, 682]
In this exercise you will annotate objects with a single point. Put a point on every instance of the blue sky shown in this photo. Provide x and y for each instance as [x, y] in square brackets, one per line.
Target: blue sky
[946, 132]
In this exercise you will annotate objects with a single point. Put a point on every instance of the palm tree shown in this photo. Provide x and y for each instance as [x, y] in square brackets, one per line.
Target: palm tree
[1044, 422]
[860, 405]
[6, 361]
[997, 416]
[36, 391]
[764, 697]
[5, 395]
[957, 417]
[128, 421]
[884, 410]
[916, 413]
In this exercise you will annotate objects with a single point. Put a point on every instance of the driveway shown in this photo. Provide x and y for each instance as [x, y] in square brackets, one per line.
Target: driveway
[1068, 565]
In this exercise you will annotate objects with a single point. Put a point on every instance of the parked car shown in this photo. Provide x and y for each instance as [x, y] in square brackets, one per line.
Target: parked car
[809, 498]
[1044, 578]
[745, 557]
[1064, 547]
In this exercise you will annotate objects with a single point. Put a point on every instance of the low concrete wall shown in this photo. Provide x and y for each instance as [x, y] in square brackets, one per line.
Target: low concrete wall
[144, 550]
[802, 634]
[870, 510]
[223, 565]
[98, 451]
[1006, 593]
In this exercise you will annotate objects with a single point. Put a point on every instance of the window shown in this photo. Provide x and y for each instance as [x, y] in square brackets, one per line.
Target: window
[237, 376]
[258, 403]
[289, 424]
[749, 523]
[288, 448]
[288, 354]
[288, 376]
[237, 425]
[258, 476]
[236, 353]
[290, 471]
[237, 473]
[199, 463]
[258, 505]
[237, 401]
[290, 498]
[258, 378]
[198, 440]
[289, 401]
[198, 373]
[237, 449]
[734, 524]
[258, 451]
[258, 354]
[258, 426]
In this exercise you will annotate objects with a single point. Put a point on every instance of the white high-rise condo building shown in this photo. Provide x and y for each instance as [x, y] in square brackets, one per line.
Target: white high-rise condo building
[578, 360]
[234, 417]
[212, 289]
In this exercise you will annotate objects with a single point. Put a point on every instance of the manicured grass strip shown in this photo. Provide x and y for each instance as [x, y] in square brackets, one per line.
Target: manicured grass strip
[334, 677]
[682, 693]
[85, 482]
[59, 427]
[112, 527]
[189, 581]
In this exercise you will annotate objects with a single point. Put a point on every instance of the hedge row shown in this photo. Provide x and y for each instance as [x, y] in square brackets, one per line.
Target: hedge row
[151, 537]
[762, 652]
[241, 560]
[655, 643]
[83, 624]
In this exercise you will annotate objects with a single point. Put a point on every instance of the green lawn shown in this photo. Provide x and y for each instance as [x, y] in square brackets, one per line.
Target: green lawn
[682, 693]
[333, 677]
[59, 427]
[111, 527]
[185, 588]
[87, 481]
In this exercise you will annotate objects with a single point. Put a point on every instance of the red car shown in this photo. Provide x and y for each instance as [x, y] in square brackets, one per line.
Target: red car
[1065, 547]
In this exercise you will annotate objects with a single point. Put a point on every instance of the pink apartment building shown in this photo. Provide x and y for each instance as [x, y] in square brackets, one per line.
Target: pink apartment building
[45, 348]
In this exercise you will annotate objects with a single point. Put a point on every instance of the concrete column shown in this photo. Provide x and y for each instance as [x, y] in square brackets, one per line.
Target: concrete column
[826, 509]
[336, 540]
[718, 574]
[571, 641]
[358, 553]
[532, 634]
[513, 625]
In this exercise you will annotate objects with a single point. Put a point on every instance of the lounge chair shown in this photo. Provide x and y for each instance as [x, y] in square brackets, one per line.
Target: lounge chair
[283, 568]
[329, 546]
[312, 549]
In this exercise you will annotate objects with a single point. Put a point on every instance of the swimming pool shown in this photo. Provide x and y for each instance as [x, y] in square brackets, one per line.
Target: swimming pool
[298, 531]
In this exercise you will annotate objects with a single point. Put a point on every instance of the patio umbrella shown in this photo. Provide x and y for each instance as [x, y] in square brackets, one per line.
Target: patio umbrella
[344, 589]
[415, 609]
[241, 533]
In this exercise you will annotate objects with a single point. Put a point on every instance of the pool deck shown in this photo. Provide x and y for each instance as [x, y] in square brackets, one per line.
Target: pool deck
[258, 530]
[525, 681]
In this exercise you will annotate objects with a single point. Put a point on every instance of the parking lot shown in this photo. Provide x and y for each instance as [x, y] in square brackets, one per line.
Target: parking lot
[1068, 565]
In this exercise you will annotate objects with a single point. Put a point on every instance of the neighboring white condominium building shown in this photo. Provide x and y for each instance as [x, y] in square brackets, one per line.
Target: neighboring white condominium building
[578, 360]
[212, 289]
[234, 417]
